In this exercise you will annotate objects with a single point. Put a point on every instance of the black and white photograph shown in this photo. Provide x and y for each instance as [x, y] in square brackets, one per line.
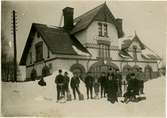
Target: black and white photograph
[83, 58]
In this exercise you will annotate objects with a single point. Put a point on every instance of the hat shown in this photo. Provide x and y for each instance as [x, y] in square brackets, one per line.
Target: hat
[60, 70]
[132, 74]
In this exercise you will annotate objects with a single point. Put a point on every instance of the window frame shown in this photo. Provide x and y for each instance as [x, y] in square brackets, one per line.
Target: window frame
[105, 30]
[102, 29]
[39, 45]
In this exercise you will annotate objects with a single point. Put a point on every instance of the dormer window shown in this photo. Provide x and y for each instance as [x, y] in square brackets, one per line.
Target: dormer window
[100, 29]
[103, 29]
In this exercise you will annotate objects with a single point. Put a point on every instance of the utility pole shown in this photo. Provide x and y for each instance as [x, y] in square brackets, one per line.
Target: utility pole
[14, 42]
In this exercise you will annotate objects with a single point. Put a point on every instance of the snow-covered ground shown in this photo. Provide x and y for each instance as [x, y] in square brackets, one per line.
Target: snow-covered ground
[30, 99]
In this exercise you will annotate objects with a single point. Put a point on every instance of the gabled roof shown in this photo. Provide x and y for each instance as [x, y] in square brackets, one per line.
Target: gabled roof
[56, 39]
[147, 53]
[100, 13]
[83, 21]
[126, 43]
[136, 38]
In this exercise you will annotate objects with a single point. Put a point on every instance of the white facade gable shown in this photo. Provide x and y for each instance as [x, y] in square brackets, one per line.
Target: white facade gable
[90, 35]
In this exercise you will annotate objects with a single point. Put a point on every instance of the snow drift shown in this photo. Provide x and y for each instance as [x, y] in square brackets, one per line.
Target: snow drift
[30, 99]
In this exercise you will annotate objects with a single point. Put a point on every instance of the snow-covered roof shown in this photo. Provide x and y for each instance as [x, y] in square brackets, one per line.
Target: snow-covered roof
[125, 42]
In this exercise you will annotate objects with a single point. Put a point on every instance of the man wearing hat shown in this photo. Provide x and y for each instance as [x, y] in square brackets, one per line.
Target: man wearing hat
[89, 81]
[59, 80]
[132, 89]
[102, 81]
[141, 79]
[66, 84]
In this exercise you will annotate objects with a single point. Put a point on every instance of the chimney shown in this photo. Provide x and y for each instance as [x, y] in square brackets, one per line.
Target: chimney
[68, 18]
[119, 27]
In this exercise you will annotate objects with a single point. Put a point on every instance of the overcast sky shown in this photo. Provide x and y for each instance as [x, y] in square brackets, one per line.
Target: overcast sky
[146, 18]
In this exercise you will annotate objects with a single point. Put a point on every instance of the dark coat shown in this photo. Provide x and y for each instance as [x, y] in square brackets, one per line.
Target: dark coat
[60, 80]
[66, 80]
[102, 80]
[128, 77]
[74, 82]
[112, 89]
[133, 86]
[89, 81]
[112, 86]
[118, 77]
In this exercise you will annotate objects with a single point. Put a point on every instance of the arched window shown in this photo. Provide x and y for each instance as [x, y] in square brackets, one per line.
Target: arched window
[97, 68]
[135, 68]
[127, 68]
[78, 69]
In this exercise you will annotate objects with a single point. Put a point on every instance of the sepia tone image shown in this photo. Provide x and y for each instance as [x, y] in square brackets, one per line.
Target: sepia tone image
[83, 58]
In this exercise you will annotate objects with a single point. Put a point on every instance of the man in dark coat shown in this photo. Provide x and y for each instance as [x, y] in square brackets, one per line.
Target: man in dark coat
[118, 77]
[140, 77]
[75, 85]
[67, 79]
[60, 84]
[89, 81]
[102, 81]
[132, 89]
[128, 75]
[112, 88]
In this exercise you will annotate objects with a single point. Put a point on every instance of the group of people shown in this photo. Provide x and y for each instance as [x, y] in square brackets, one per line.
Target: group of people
[62, 82]
[111, 85]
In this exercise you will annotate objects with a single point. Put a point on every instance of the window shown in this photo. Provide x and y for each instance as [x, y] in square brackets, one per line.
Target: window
[48, 54]
[103, 29]
[30, 57]
[50, 66]
[100, 29]
[39, 51]
[104, 51]
[135, 52]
